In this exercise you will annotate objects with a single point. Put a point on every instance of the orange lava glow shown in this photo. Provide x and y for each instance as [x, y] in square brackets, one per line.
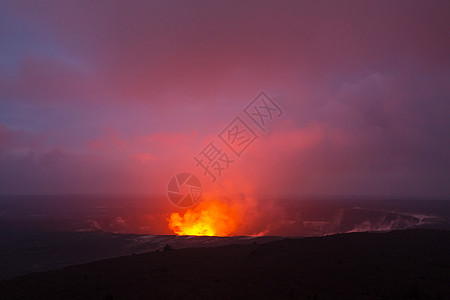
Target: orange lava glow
[211, 218]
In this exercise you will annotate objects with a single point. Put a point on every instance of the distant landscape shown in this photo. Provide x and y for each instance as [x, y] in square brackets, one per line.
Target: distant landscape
[40, 233]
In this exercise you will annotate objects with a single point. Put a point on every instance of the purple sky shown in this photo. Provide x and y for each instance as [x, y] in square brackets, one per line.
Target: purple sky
[118, 96]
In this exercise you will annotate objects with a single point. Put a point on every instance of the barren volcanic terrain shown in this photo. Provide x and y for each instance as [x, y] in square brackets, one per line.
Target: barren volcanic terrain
[409, 264]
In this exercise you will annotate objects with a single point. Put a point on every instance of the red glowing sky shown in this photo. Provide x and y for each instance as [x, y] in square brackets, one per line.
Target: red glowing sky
[116, 97]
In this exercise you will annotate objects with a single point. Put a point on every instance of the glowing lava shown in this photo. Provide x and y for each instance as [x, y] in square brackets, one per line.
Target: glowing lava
[212, 218]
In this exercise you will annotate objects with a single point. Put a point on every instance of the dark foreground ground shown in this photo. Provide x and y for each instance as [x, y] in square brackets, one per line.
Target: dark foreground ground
[410, 264]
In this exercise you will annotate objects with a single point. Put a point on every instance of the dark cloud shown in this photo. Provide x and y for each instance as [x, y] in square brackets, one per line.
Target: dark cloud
[365, 87]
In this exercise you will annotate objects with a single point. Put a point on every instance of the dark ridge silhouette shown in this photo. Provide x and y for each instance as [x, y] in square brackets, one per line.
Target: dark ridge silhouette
[409, 264]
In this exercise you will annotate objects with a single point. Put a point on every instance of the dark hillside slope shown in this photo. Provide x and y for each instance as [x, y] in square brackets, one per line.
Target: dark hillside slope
[410, 264]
